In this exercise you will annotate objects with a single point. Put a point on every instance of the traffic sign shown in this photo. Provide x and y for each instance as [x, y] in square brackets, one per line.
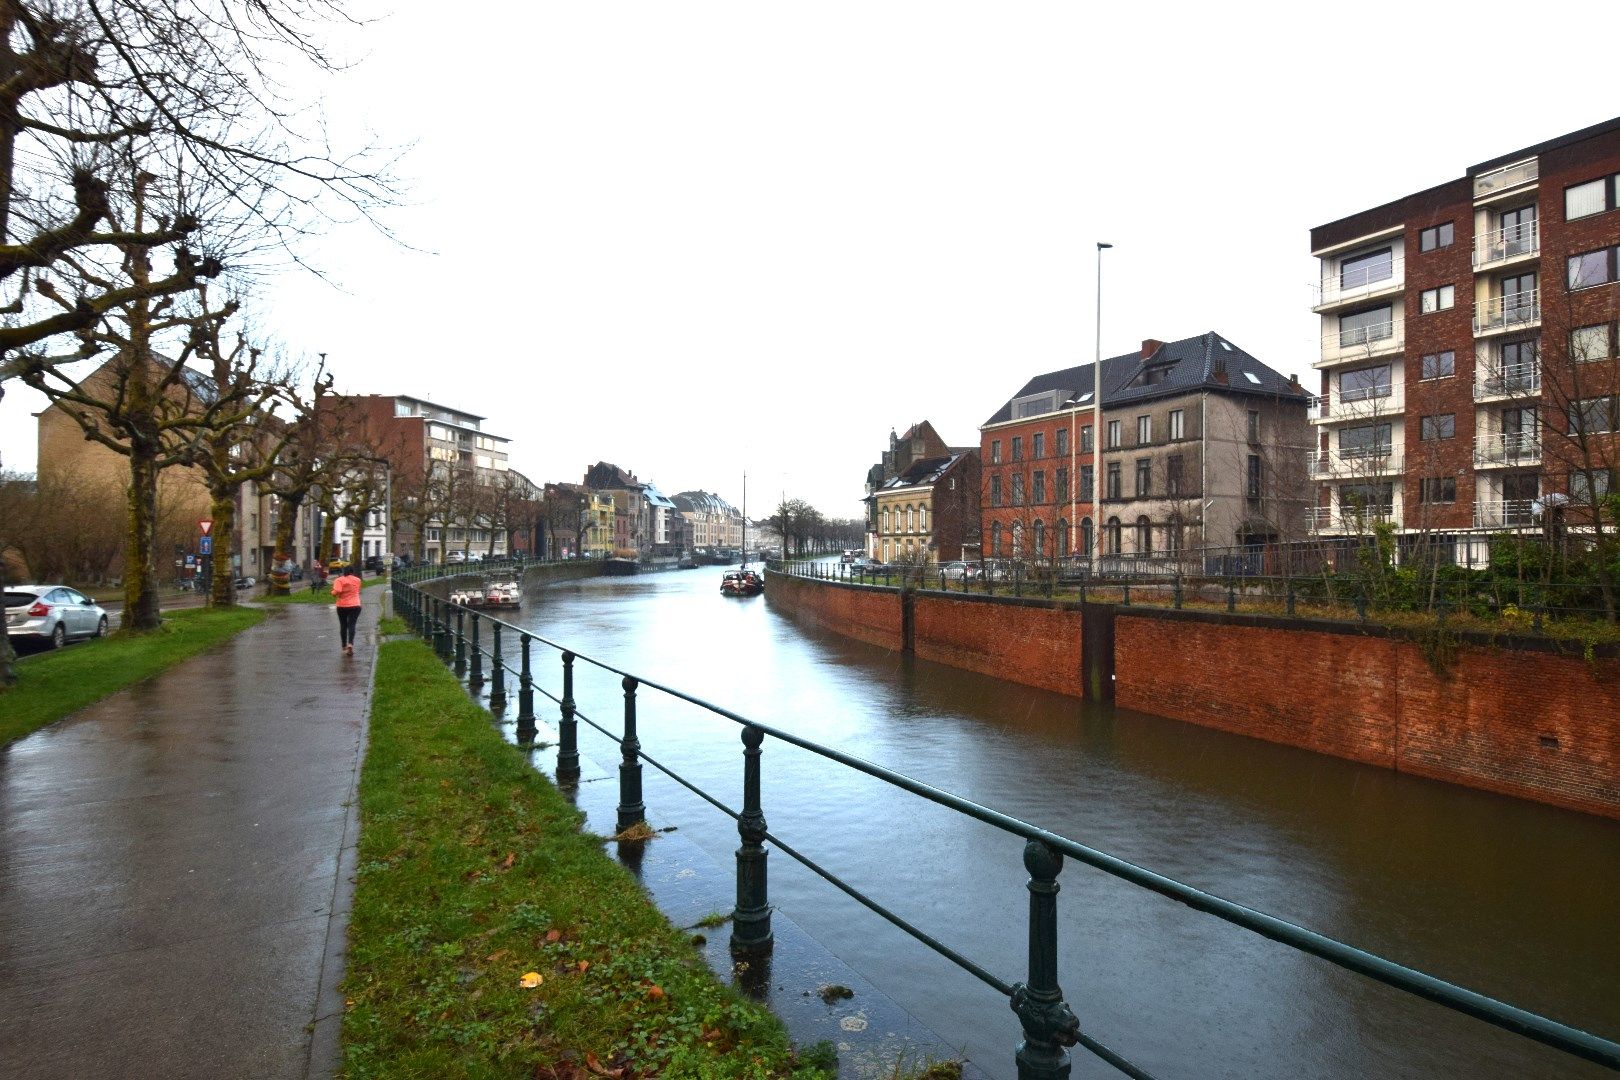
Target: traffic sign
[205, 545]
[204, 525]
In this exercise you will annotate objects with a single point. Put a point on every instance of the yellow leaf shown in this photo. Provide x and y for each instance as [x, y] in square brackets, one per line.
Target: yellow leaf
[530, 980]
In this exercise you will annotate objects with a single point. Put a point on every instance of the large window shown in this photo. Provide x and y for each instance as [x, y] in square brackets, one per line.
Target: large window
[1112, 480]
[1374, 324]
[1592, 197]
[995, 539]
[995, 491]
[1588, 343]
[1253, 486]
[1363, 384]
[1359, 270]
[1060, 487]
[1018, 489]
[922, 519]
[1085, 438]
[1438, 489]
[1040, 487]
[1144, 430]
[1594, 416]
[995, 451]
[1371, 440]
[1087, 476]
[1438, 299]
[1115, 536]
[1585, 483]
[1172, 475]
[1442, 426]
[1144, 535]
[1062, 441]
[1367, 498]
[1178, 426]
[1038, 535]
[1063, 538]
[1037, 445]
[1144, 476]
[1435, 236]
[1086, 546]
[1591, 268]
[1440, 365]
[1018, 448]
[1113, 434]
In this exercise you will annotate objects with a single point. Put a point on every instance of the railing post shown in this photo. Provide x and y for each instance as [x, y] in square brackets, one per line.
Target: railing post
[497, 669]
[477, 676]
[568, 729]
[525, 716]
[441, 640]
[1231, 594]
[631, 810]
[1290, 596]
[461, 641]
[751, 920]
[1178, 591]
[1018, 579]
[1127, 600]
[1049, 1024]
[424, 625]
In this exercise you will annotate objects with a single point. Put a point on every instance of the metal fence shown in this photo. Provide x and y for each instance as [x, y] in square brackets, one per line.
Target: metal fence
[474, 645]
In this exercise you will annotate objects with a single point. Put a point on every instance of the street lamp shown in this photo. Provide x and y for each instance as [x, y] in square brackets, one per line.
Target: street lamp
[1096, 422]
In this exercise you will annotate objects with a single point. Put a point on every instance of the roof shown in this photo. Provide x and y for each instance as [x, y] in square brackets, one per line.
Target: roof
[925, 472]
[655, 497]
[1543, 147]
[1187, 365]
[703, 502]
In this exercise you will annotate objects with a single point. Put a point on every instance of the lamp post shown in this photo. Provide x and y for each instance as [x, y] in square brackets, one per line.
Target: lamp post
[1096, 422]
[1073, 405]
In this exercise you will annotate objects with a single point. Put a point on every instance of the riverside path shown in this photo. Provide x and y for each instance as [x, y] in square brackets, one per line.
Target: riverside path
[175, 865]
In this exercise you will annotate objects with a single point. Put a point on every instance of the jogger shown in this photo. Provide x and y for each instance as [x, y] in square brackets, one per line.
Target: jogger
[346, 594]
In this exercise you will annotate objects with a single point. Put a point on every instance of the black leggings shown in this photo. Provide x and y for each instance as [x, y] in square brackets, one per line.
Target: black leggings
[347, 618]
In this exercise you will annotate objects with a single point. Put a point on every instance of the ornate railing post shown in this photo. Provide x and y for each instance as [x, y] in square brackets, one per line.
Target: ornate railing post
[441, 640]
[1178, 592]
[461, 641]
[751, 920]
[425, 626]
[568, 729]
[1049, 1024]
[497, 669]
[476, 678]
[1127, 592]
[525, 717]
[631, 810]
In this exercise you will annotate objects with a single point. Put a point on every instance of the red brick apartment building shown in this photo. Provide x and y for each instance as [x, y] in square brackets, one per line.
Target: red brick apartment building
[1469, 352]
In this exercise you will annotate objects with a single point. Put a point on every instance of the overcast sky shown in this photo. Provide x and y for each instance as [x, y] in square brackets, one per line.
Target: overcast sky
[699, 238]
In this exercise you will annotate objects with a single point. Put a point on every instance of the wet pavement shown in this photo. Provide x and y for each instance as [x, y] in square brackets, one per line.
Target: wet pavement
[175, 865]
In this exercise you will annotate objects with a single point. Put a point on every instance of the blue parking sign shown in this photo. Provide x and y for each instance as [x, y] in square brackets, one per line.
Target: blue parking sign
[205, 545]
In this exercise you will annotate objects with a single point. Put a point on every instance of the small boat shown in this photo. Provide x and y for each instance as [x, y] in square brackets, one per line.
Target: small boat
[742, 583]
[494, 595]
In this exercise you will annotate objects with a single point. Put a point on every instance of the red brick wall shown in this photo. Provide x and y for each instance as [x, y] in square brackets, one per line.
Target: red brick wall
[1029, 644]
[863, 613]
[1377, 700]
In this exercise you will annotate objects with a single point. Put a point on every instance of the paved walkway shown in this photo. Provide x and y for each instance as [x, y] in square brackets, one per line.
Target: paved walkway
[176, 865]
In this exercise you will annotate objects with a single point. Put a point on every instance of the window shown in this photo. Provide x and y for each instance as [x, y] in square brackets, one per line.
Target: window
[1178, 427]
[1442, 426]
[1438, 299]
[1086, 546]
[995, 539]
[922, 519]
[1591, 268]
[1144, 430]
[1172, 475]
[995, 491]
[1519, 360]
[1060, 489]
[1518, 233]
[911, 520]
[1018, 489]
[1144, 476]
[1359, 270]
[1035, 404]
[995, 451]
[1438, 489]
[1113, 480]
[1374, 324]
[1062, 441]
[1592, 197]
[1017, 539]
[1039, 536]
[1435, 236]
[1586, 483]
[1367, 498]
[1087, 475]
[1115, 536]
[1144, 535]
[1018, 448]
[1113, 434]
[1085, 438]
[1253, 485]
[1063, 537]
[1254, 425]
[1037, 445]
[1593, 416]
[1589, 343]
[1370, 441]
[1440, 365]
[1040, 488]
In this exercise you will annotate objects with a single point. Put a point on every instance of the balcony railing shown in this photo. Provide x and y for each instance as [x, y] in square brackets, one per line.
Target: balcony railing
[1517, 380]
[1522, 308]
[1343, 519]
[1499, 245]
[1345, 285]
[1363, 341]
[1357, 404]
[1504, 513]
[1353, 464]
[1508, 448]
[1508, 176]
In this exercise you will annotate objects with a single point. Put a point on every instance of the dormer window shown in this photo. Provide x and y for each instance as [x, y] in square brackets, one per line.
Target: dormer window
[1035, 404]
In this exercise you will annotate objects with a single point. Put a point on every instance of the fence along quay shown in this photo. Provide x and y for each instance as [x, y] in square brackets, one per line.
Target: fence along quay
[1049, 1025]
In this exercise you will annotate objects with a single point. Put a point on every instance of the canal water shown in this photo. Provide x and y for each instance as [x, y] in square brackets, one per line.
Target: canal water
[1512, 899]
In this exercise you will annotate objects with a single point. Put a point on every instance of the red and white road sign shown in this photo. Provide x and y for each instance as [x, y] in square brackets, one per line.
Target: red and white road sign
[204, 525]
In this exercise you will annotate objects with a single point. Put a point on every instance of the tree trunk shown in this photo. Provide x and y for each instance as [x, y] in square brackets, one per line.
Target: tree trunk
[8, 657]
[328, 537]
[357, 543]
[140, 579]
[222, 590]
[285, 526]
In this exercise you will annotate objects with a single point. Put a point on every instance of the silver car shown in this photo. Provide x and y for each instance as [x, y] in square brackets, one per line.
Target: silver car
[52, 615]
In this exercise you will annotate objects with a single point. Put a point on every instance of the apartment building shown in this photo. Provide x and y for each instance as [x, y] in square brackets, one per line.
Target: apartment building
[930, 512]
[1202, 444]
[1468, 371]
[712, 522]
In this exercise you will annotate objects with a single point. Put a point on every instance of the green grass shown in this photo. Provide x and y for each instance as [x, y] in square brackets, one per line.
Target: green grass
[301, 593]
[52, 685]
[472, 873]
[392, 624]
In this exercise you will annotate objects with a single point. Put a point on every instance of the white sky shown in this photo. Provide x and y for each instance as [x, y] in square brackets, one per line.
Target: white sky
[698, 238]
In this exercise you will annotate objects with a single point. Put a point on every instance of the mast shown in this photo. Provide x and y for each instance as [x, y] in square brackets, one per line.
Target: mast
[745, 520]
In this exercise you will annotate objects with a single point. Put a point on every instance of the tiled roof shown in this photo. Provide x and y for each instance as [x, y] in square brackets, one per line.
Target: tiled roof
[925, 472]
[1189, 364]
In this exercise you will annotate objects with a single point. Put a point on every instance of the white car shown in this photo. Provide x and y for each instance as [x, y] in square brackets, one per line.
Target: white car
[52, 615]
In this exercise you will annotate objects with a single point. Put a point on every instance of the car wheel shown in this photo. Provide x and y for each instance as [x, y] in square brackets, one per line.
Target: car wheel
[58, 636]
[101, 627]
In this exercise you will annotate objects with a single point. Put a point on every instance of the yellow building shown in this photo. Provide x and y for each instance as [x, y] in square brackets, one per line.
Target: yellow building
[904, 517]
[599, 532]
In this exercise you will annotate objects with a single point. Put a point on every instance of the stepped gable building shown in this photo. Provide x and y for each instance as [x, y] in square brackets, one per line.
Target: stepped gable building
[1469, 350]
[1202, 445]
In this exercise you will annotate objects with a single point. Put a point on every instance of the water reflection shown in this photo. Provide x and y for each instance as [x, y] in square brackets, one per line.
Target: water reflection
[1508, 898]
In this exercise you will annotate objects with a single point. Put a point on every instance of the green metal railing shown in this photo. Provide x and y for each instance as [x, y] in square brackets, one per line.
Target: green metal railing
[1049, 1025]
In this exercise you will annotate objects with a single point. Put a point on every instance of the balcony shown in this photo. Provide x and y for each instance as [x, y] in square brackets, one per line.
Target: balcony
[1364, 404]
[1507, 449]
[1335, 519]
[1350, 286]
[1353, 464]
[1515, 381]
[1501, 246]
[1363, 342]
[1511, 311]
[1504, 513]
[1508, 177]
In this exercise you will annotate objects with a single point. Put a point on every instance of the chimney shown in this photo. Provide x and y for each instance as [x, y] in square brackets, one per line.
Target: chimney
[1150, 346]
[1218, 371]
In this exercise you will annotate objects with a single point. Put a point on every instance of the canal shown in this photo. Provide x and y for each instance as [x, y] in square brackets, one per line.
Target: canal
[1512, 899]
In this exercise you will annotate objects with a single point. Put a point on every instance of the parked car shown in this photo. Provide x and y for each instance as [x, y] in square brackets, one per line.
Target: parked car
[377, 563]
[959, 571]
[850, 555]
[246, 582]
[295, 572]
[864, 565]
[52, 615]
[455, 557]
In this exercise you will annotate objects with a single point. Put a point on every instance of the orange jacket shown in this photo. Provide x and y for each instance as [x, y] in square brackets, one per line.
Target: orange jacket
[347, 590]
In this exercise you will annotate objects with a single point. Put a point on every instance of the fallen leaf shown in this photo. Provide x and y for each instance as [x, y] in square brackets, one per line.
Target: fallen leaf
[553, 936]
[601, 1070]
[530, 980]
[506, 863]
[583, 964]
[655, 992]
[496, 955]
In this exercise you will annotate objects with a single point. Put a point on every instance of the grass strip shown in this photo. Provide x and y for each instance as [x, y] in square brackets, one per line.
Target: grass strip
[52, 685]
[491, 938]
[302, 594]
